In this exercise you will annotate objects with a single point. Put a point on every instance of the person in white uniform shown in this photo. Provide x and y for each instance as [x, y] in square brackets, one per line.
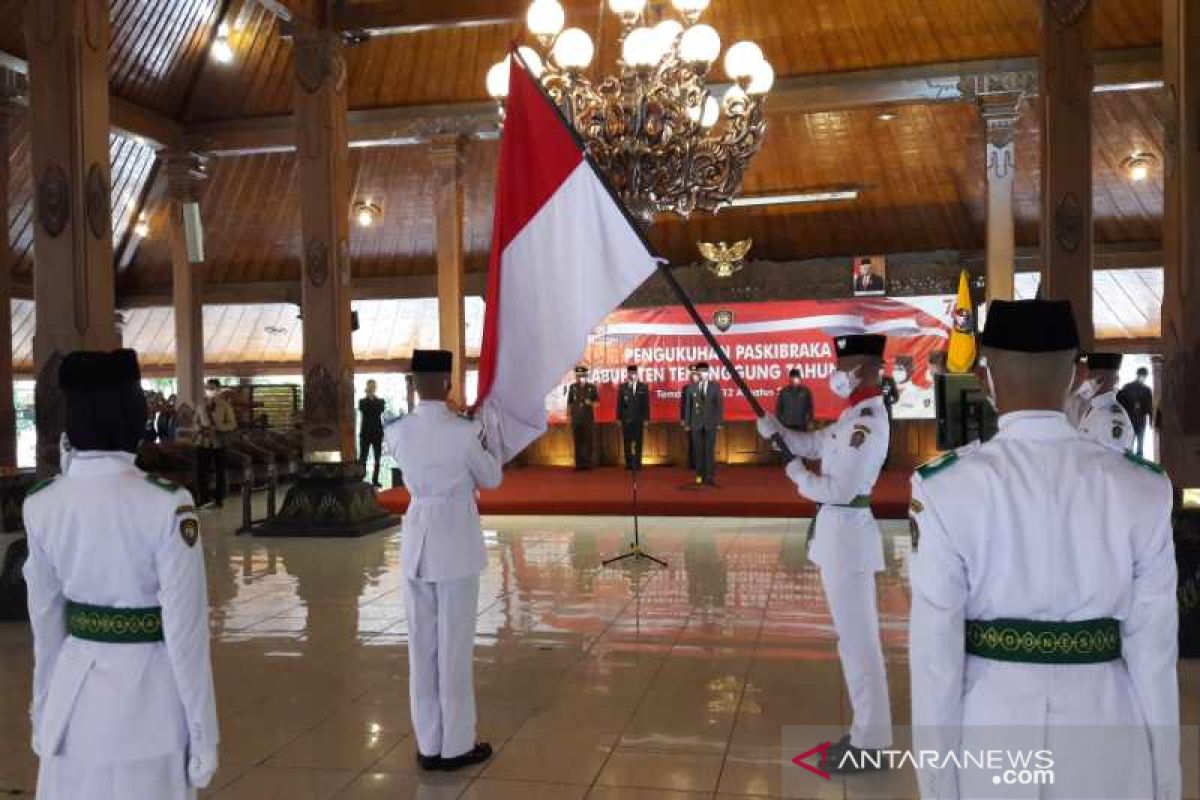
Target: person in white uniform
[123, 703]
[444, 459]
[1043, 589]
[1093, 406]
[846, 542]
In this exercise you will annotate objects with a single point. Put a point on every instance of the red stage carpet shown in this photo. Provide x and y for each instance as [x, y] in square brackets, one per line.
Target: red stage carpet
[743, 492]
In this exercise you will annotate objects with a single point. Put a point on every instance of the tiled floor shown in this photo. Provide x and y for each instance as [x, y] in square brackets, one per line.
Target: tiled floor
[608, 684]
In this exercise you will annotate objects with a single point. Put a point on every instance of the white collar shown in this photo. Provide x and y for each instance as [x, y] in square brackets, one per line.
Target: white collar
[1035, 425]
[85, 463]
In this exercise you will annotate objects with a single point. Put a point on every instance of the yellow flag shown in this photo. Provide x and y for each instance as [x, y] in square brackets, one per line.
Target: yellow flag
[961, 357]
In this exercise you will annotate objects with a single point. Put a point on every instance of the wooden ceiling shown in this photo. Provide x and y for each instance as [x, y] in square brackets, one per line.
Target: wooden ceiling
[922, 172]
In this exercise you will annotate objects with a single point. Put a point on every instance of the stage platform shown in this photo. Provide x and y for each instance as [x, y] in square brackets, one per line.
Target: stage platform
[662, 491]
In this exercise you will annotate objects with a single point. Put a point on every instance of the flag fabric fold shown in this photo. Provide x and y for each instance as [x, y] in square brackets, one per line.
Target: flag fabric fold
[961, 355]
[564, 254]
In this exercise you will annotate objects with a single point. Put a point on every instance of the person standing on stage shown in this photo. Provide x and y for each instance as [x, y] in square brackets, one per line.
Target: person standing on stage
[794, 404]
[582, 398]
[123, 704]
[685, 399]
[704, 415]
[1138, 401]
[633, 412]
[370, 432]
[846, 543]
[1094, 405]
[444, 458]
[217, 425]
[1043, 573]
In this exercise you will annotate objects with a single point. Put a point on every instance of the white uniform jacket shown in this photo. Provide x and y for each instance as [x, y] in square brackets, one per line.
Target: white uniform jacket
[444, 461]
[106, 534]
[1105, 421]
[852, 451]
[1042, 524]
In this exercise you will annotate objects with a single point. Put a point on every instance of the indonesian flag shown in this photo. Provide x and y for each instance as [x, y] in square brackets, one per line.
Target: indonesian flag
[564, 254]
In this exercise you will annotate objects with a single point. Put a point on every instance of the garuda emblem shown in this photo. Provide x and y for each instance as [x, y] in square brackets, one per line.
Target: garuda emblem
[725, 259]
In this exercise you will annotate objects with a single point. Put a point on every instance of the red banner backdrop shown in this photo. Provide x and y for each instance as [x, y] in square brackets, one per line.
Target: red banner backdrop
[764, 341]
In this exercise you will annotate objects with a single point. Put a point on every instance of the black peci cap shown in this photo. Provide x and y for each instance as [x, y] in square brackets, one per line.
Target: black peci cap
[793, 373]
[105, 405]
[1030, 326]
[632, 369]
[581, 370]
[702, 366]
[432, 361]
[1103, 360]
[860, 344]
[87, 370]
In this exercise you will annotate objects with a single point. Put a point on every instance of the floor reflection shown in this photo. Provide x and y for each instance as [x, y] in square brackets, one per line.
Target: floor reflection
[592, 681]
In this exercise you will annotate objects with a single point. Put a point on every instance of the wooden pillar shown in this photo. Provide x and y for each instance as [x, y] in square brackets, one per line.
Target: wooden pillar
[322, 154]
[67, 42]
[1066, 102]
[12, 86]
[185, 172]
[446, 154]
[1000, 97]
[1180, 386]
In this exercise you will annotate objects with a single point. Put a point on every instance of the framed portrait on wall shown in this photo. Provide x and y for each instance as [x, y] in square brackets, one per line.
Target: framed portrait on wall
[870, 276]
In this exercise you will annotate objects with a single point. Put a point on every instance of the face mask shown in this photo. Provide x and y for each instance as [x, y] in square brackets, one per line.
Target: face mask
[844, 383]
[990, 394]
[1088, 389]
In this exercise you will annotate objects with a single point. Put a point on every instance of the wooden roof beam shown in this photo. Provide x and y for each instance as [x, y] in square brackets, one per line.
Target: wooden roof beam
[156, 129]
[406, 125]
[393, 17]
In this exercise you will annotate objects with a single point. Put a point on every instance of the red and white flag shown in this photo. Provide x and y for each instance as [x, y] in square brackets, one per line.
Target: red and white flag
[564, 255]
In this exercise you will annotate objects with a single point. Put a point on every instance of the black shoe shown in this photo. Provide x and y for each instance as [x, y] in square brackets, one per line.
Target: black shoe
[843, 758]
[429, 763]
[712, 483]
[476, 755]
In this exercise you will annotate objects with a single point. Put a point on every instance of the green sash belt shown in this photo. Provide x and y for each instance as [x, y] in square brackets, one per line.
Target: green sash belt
[1027, 641]
[861, 501]
[114, 625]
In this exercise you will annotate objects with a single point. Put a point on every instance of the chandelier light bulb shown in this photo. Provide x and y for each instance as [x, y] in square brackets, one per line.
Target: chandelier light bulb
[1139, 171]
[497, 79]
[761, 79]
[545, 18]
[365, 218]
[667, 32]
[641, 48]
[701, 44]
[712, 112]
[532, 60]
[691, 9]
[734, 96]
[573, 49]
[627, 9]
[742, 59]
[221, 51]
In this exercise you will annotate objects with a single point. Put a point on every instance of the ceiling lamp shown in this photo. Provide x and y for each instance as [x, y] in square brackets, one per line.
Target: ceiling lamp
[141, 228]
[1139, 165]
[366, 213]
[221, 50]
[664, 138]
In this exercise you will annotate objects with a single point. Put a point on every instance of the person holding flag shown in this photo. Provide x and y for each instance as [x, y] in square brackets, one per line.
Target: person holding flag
[961, 356]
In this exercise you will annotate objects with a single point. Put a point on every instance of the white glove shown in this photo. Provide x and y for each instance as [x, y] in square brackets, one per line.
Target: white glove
[795, 469]
[201, 767]
[768, 426]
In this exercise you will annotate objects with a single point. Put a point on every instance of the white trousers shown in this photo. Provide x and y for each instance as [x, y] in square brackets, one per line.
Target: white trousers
[852, 605]
[163, 778]
[441, 641]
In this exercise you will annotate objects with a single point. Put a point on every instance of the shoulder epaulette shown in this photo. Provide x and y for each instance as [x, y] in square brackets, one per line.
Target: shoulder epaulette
[931, 468]
[163, 483]
[37, 487]
[1145, 464]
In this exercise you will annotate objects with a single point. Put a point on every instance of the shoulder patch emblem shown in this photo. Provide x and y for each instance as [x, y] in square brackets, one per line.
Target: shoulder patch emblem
[162, 483]
[37, 487]
[916, 506]
[1117, 430]
[189, 531]
[185, 510]
[931, 468]
[866, 412]
[859, 436]
[1144, 464]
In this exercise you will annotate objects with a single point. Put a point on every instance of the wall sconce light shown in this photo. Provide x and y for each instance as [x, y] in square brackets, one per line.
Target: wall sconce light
[141, 228]
[222, 50]
[366, 213]
[1138, 166]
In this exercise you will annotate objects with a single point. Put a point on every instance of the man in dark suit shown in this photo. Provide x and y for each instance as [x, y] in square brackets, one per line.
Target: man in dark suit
[1138, 401]
[685, 398]
[582, 398]
[866, 281]
[794, 404]
[633, 410]
[705, 413]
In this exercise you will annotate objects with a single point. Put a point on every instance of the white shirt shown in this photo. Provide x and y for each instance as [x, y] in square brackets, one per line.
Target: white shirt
[106, 534]
[444, 462]
[852, 451]
[1104, 420]
[1039, 523]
